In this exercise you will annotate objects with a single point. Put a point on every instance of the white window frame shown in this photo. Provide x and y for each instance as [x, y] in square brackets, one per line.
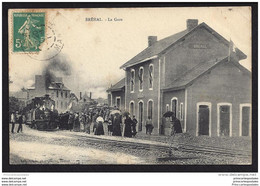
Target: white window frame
[175, 98]
[132, 101]
[132, 91]
[167, 108]
[197, 117]
[240, 118]
[181, 111]
[230, 115]
[118, 97]
[141, 90]
[148, 108]
[149, 77]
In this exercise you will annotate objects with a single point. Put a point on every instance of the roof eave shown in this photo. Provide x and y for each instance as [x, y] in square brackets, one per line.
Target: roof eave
[138, 62]
[116, 90]
[174, 88]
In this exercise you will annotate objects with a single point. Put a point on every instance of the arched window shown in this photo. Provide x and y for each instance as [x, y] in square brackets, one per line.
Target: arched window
[131, 108]
[150, 108]
[140, 115]
[174, 106]
[141, 78]
[132, 80]
[151, 71]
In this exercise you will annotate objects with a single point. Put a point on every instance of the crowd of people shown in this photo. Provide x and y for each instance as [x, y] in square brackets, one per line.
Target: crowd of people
[118, 124]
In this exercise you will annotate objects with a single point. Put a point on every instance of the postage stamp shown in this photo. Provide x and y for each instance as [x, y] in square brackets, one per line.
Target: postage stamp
[28, 31]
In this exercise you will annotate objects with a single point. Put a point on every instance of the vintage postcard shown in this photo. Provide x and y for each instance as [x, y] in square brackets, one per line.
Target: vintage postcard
[130, 86]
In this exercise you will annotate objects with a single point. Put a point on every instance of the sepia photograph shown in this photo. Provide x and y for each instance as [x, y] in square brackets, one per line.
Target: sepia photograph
[130, 86]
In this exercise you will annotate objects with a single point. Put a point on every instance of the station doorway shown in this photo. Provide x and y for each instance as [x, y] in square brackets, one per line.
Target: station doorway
[203, 120]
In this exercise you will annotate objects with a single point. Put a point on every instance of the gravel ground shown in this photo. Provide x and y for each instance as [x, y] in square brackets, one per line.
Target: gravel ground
[64, 147]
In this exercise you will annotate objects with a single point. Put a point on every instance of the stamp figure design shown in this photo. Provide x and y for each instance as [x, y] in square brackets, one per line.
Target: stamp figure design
[28, 31]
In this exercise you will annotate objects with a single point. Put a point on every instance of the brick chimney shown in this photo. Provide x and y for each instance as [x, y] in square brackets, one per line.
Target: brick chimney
[151, 40]
[80, 95]
[191, 23]
[90, 95]
[40, 84]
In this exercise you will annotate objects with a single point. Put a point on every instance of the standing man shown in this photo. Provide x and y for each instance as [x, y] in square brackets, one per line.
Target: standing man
[20, 122]
[71, 121]
[149, 126]
[13, 120]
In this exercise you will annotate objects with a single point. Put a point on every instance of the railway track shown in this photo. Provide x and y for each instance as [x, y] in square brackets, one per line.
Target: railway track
[164, 147]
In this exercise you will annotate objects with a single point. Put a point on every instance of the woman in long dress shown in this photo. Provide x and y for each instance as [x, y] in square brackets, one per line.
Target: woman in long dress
[116, 121]
[76, 127]
[128, 129]
[99, 130]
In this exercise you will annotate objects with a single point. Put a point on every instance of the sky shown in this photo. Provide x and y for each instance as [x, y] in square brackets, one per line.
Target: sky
[96, 49]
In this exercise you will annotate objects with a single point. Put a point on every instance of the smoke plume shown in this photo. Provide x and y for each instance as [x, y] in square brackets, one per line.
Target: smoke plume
[59, 66]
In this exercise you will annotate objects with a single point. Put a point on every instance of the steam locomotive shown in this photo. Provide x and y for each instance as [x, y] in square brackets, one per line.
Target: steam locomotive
[41, 114]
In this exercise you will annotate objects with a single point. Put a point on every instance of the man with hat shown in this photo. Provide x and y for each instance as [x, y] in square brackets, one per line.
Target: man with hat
[13, 120]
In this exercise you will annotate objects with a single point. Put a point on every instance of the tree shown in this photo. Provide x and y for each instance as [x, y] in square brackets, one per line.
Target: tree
[15, 104]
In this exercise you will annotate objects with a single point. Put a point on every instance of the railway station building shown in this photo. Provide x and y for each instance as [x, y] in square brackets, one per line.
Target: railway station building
[196, 74]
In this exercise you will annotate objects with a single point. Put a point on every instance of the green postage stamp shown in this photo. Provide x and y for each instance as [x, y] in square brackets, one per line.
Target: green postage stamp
[28, 31]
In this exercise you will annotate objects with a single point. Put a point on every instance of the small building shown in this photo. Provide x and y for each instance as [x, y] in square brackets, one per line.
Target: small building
[116, 95]
[55, 89]
[196, 74]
